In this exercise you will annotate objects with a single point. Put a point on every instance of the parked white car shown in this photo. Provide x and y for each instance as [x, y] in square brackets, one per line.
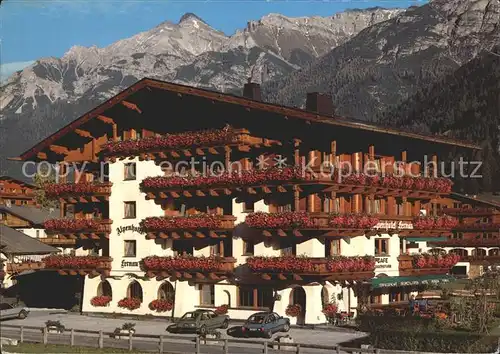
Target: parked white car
[8, 311]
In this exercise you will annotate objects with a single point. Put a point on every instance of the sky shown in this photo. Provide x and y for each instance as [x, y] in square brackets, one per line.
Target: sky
[32, 29]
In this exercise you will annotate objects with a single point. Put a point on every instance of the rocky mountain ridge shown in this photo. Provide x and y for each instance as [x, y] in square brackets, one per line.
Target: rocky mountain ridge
[386, 63]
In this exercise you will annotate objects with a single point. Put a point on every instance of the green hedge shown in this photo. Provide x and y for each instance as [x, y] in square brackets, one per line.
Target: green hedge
[440, 342]
[412, 333]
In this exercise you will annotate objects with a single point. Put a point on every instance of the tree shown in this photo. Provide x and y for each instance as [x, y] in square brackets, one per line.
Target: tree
[44, 176]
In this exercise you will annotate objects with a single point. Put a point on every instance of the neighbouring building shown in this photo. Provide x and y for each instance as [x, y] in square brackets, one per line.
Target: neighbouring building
[21, 253]
[476, 238]
[16, 192]
[30, 221]
[202, 199]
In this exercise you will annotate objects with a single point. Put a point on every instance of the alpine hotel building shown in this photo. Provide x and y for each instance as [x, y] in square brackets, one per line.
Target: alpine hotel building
[263, 236]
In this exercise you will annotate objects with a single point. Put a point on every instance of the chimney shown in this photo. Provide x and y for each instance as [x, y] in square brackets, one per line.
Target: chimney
[320, 103]
[251, 90]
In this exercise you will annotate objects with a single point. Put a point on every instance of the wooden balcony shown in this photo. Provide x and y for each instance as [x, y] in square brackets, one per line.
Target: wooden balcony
[346, 189]
[306, 224]
[407, 268]
[469, 211]
[79, 265]
[494, 242]
[298, 269]
[243, 187]
[493, 227]
[14, 268]
[194, 226]
[85, 192]
[56, 241]
[195, 269]
[83, 229]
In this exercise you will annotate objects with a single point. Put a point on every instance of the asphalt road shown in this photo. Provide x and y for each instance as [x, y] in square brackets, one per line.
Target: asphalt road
[157, 327]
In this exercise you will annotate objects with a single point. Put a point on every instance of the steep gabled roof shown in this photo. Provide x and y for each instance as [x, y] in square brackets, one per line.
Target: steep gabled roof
[34, 215]
[237, 100]
[18, 243]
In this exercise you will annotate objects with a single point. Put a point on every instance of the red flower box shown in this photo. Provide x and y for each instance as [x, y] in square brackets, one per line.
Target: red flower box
[57, 189]
[169, 141]
[424, 261]
[286, 264]
[431, 184]
[343, 264]
[292, 264]
[199, 221]
[74, 262]
[330, 310]
[352, 221]
[182, 263]
[222, 309]
[129, 303]
[293, 310]
[100, 301]
[69, 225]
[434, 223]
[292, 219]
[161, 305]
[236, 178]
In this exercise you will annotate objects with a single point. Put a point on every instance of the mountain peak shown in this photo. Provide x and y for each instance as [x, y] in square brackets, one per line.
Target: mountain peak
[190, 16]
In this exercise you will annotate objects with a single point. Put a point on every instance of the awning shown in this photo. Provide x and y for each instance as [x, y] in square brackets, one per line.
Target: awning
[387, 282]
[427, 239]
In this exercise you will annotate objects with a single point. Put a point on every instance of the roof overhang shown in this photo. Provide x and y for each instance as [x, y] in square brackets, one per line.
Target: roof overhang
[288, 112]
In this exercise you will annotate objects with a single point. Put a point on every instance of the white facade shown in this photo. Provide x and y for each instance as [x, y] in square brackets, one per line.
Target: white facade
[126, 270]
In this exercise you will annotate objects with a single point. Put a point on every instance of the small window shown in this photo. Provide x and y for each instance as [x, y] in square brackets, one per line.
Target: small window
[381, 246]
[130, 210]
[182, 247]
[288, 248]
[37, 233]
[332, 248]
[130, 171]
[130, 249]
[248, 207]
[248, 248]
[207, 295]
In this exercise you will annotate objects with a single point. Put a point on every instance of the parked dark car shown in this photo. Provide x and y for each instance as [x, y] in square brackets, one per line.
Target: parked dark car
[265, 324]
[9, 311]
[200, 321]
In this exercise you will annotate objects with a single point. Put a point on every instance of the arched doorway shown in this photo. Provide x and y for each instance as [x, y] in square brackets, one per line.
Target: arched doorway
[166, 292]
[134, 291]
[494, 252]
[325, 297]
[298, 297]
[104, 289]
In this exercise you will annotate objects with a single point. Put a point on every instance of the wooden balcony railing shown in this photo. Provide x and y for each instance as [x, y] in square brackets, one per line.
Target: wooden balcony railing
[197, 269]
[185, 145]
[56, 241]
[410, 265]
[79, 265]
[13, 268]
[187, 227]
[494, 227]
[84, 192]
[292, 268]
[469, 211]
[79, 228]
[494, 242]
[303, 223]
[331, 224]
